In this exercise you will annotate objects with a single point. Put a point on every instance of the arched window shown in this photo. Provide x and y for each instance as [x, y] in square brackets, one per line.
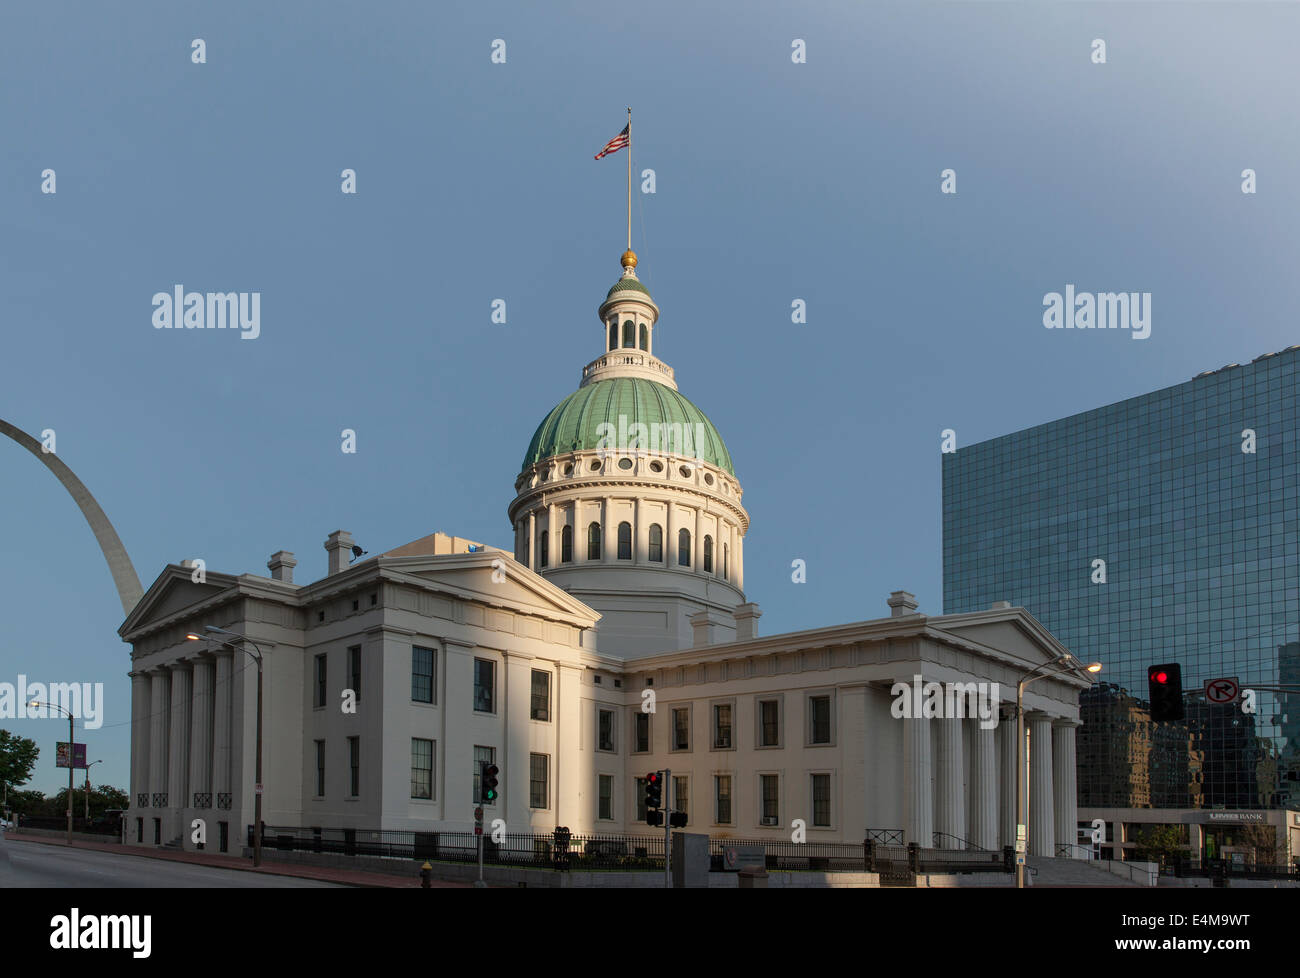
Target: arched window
[625, 541]
[684, 547]
[726, 552]
[543, 549]
[708, 555]
[593, 541]
[629, 335]
[566, 545]
[613, 334]
[645, 337]
[656, 543]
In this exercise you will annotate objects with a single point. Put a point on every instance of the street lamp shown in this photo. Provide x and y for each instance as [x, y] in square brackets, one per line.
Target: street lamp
[72, 755]
[257, 657]
[1064, 663]
[88, 767]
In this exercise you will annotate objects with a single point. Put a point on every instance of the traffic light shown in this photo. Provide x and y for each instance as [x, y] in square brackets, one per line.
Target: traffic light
[677, 820]
[488, 782]
[1165, 686]
[654, 794]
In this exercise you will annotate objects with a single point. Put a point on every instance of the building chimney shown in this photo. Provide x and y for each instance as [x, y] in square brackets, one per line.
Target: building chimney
[281, 565]
[901, 603]
[747, 616]
[339, 547]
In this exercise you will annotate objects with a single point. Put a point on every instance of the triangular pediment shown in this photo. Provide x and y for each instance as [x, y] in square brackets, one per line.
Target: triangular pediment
[173, 591]
[496, 579]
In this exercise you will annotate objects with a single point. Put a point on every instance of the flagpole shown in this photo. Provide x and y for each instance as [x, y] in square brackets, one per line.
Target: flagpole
[629, 178]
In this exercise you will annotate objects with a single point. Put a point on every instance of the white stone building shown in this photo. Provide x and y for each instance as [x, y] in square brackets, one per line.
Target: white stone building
[615, 639]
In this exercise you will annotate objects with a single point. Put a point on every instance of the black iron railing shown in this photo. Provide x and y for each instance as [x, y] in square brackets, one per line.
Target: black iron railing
[160, 799]
[142, 799]
[223, 800]
[203, 799]
[888, 837]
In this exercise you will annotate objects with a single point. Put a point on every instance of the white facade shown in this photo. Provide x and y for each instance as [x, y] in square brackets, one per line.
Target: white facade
[578, 676]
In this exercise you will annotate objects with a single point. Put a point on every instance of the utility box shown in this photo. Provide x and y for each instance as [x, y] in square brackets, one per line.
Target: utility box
[752, 878]
[690, 860]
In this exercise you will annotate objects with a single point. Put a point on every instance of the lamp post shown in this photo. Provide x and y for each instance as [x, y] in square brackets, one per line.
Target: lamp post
[257, 657]
[1064, 663]
[71, 756]
[88, 767]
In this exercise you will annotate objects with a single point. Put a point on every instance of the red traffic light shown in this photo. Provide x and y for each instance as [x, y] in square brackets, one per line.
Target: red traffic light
[652, 777]
[1161, 677]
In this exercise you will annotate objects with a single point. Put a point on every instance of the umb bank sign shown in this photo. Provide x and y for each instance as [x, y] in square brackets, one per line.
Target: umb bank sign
[1236, 818]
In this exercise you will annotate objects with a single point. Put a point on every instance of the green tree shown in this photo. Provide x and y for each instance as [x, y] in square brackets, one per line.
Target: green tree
[17, 758]
[1161, 843]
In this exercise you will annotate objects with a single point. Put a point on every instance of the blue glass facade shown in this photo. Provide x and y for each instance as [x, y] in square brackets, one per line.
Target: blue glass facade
[1201, 548]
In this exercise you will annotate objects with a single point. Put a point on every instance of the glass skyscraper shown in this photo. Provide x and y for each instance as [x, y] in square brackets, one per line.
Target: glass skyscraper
[1163, 528]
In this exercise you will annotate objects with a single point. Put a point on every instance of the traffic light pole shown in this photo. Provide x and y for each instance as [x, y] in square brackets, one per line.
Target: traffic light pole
[668, 829]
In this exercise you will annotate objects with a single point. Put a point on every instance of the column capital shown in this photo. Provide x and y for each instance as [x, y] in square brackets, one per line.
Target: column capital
[1065, 722]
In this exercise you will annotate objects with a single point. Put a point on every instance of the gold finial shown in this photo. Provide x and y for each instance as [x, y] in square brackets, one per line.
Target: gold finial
[629, 259]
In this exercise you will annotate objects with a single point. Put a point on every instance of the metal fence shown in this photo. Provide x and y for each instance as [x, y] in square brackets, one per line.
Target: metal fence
[1223, 869]
[896, 863]
[539, 851]
[98, 826]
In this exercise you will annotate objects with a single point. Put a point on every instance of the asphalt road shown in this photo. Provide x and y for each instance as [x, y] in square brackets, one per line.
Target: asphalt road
[33, 864]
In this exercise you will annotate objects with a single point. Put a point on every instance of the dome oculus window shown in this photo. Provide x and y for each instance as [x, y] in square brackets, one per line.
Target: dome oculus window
[685, 471]
[624, 463]
[656, 466]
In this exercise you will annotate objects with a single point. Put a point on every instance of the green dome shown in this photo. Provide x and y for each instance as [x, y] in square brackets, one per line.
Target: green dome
[574, 423]
[626, 285]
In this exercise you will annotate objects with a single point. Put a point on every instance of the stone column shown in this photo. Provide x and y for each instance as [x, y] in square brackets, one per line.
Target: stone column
[1007, 761]
[739, 554]
[984, 786]
[140, 707]
[608, 549]
[531, 562]
[670, 536]
[159, 726]
[1042, 834]
[179, 758]
[638, 554]
[201, 731]
[698, 541]
[552, 535]
[949, 784]
[221, 700]
[1063, 775]
[918, 790]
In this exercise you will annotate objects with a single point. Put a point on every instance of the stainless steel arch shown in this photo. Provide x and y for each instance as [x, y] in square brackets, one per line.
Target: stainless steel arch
[119, 564]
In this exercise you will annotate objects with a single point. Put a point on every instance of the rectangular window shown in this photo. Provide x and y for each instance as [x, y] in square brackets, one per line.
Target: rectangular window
[223, 833]
[539, 785]
[681, 795]
[482, 755]
[722, 789]
[320, 680]
[769, 734]
[641, 728]
[421, 768]
[770, 793]
[606, 796]
[423, 684]
[354, 761]
[354, 672]
[821, 799]
[681, 729]
[605, 730]
[484, 685]
[722, 725]
[638, 792]
[819, 719]
[541, 696]
[320, 769]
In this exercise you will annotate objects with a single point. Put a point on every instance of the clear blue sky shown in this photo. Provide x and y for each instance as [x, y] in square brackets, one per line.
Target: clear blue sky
[775, 181]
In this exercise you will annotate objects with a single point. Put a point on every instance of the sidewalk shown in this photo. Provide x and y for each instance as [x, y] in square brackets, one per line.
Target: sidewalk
[328, 874]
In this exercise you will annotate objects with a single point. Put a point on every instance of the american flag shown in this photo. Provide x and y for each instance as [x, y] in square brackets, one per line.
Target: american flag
[617, 143]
